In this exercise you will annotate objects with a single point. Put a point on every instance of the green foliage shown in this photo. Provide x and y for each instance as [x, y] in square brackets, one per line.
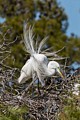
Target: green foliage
[10, 8]
[20, 56]
[71, 110]
[13, 113]
[52, 21]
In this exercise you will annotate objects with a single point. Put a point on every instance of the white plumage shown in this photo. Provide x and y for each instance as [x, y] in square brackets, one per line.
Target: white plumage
[37, 66]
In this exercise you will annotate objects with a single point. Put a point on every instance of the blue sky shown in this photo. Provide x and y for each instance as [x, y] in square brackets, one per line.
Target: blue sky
[72, 9]
[2, 20]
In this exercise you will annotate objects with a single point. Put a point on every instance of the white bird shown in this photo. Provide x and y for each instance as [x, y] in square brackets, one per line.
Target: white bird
[37, 66]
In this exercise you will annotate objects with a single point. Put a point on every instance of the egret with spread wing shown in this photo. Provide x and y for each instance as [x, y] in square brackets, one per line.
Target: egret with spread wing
[37, 66]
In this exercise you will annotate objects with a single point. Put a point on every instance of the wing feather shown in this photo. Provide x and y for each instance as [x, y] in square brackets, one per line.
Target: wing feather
[41, 70]
[28, 39]
[41, 44]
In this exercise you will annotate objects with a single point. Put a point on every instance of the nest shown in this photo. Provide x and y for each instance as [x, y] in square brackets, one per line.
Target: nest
[44, 106]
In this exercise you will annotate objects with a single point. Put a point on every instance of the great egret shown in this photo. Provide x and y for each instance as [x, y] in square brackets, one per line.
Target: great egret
[38, 65]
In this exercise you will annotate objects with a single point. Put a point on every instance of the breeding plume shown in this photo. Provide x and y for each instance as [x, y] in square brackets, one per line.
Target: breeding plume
[37, 66]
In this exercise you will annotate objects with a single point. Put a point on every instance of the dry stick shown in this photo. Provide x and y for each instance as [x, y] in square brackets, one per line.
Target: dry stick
[1, 52]
[6, 66]
[26, 90]
[10, 43]
[5, 58]
[65, 67]
[5, 34]
[1, 46]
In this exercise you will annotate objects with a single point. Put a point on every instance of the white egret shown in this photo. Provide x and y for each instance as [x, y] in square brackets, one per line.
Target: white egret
[37, 66]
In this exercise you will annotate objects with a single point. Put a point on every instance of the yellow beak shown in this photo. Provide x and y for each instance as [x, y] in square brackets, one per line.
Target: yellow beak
[58, 70]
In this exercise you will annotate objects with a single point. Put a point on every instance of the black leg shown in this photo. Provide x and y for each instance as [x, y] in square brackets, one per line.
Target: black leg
[39, 88]
[32, 90]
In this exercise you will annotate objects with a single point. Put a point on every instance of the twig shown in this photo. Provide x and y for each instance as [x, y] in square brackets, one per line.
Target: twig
[26, 90]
